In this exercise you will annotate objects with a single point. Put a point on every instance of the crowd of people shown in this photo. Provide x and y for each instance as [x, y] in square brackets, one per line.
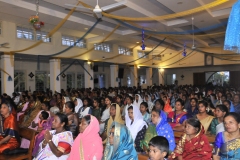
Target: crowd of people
[120, 123]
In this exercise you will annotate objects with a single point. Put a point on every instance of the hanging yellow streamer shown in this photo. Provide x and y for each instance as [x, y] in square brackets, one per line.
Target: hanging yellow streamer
[104, 39]
[164, 17]
[49, 34]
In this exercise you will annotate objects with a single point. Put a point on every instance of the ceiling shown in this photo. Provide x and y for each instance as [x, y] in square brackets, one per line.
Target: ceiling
[52, 11]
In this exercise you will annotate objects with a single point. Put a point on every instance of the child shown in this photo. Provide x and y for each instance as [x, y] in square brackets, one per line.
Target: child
[158, 148]
[145, 114]
[42, 126]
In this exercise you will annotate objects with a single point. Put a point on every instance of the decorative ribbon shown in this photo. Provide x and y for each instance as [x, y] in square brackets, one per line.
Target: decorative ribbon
[9, 76]
[164, 17]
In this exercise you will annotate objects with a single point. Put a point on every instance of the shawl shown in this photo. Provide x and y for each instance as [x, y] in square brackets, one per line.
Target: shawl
[137, 124]
[206, 122]
[140, 100]
[32, 114]
[197, 148]
[79, 104]
[165, 130]
[88, 145]
[123, 145]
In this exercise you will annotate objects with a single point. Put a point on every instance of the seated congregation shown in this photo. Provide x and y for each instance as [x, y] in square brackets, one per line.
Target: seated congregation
[161, 122]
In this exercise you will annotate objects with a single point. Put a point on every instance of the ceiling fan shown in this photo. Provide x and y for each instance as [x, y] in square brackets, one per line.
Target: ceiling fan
[97, 10]
[4, 45]
[193, 45]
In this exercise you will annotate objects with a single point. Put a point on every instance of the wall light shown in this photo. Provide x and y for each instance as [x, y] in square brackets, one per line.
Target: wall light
[161, 69]
[138, 67]
[88, 62]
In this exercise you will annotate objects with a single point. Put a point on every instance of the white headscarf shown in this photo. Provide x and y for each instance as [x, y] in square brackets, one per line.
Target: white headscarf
[140, 100]
[137, 124]
[79, 104]
[66, 99]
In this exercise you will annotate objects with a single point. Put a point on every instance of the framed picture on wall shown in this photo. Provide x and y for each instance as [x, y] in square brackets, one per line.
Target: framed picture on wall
[208, 60]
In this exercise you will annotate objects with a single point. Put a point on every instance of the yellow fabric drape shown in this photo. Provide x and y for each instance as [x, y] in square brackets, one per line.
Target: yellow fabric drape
[103, 40]
[164, 17]
[49, 34]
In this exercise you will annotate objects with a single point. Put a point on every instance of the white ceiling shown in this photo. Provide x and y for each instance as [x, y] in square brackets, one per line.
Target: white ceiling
[52, 11]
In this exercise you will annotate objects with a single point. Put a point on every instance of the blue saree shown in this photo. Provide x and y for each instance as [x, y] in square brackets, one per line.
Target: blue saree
[229, 150]
[165, 130]
[123, 146]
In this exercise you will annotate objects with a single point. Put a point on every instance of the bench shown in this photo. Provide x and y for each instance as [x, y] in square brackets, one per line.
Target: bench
[28, 134]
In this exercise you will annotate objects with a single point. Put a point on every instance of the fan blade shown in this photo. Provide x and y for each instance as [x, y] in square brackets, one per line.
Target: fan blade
[81, 7]
[85, 12]
[115, 5]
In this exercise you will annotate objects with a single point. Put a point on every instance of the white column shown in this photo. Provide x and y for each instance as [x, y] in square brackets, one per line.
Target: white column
[134, 76]
[114, 75]
[149, 76]
[161, 76]
[87, 77]
[55, 70]
[7, 64]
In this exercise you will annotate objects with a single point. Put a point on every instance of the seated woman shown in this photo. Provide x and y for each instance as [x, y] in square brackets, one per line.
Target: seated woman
[217, 122]
[194, 144]
[136, 125]
[88, 144]
[57, 143]
[105, 113]
[177, 117]
[159, 119]
[192, 110]
[78, 104]
[23, 107]
[9, 138]
[147, 98]
[227, 144]
[143, 109]
[167, 108]
[203, 115]
[138, 100]
[72, 117]
[115, 115]
[64, 101]
[85, 109]
[120, 144]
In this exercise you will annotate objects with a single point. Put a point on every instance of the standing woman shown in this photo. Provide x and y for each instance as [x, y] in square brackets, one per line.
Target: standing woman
[203, 115]
[9, 138]
[88, 144]
[227, 143]
[106, 113]
[217, 122]
[57, 143]
[72, 117]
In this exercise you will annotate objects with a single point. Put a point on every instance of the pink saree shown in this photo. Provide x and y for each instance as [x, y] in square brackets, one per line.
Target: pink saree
[88, 145]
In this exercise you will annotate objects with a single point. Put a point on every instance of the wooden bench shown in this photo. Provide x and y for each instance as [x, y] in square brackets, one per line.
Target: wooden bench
[28, 134]
[142, 157]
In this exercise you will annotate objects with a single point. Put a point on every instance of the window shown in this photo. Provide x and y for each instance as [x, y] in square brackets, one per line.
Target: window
[80, 81]
[41, 35]
[157, 57]
[42, 80]
[70, 80]
[25, 33]
[141, 54]
[125, 51]
[19, 81]
[103, 47]
[69, 41]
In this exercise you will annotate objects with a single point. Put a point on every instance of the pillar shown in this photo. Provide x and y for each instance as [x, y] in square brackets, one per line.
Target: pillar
[55, 70]
[88, 78]
[134, 76]
[7, 65]
[114, 75]
[161, 76]
[149, 76]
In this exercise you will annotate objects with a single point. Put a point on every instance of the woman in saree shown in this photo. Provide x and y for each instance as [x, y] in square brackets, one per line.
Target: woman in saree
[115, 115]
[138, 100]
[194, 144]
[120, 144]
[159, 119]
[23, 107]
[177, 117]
[217, 122]
[88, 144]
[227, 143]
[64, 101]
[57, 143]
[203, 115]
[9, 138]
[167, 108]
[136, 125]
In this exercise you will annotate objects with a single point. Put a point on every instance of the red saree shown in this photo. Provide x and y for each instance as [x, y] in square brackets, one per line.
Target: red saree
[10, 129]
[198, 148]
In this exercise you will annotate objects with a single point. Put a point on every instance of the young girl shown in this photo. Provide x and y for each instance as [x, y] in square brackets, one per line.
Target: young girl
[42, 126]
[145, 114]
